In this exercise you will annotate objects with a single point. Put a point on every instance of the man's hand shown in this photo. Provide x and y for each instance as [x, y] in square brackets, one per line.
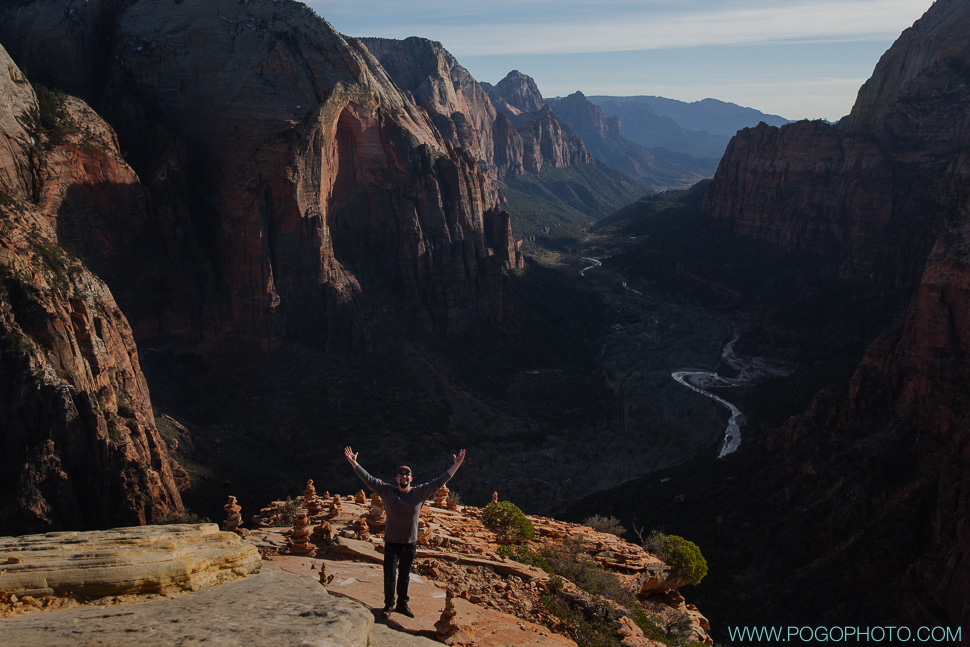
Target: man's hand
[458, 458]
[352, 457]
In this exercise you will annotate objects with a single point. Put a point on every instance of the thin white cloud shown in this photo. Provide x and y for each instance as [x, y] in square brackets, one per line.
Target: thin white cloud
[547, 27]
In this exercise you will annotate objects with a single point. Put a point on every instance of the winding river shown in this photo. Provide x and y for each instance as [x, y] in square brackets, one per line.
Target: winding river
[749, 370]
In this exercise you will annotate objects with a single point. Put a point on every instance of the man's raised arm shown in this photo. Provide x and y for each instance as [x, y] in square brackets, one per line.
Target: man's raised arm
[371, 482]
[351, 456]
[458, 458]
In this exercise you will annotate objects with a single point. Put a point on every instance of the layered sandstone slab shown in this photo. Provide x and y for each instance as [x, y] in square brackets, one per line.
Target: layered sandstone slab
[273, 608]
[144, 559]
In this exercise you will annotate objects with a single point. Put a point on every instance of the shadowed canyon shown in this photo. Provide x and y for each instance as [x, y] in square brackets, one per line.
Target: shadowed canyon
[234, 241]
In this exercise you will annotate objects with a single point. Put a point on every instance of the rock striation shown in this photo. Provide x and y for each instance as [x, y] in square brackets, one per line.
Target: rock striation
[511, 135]
[289, 173]
[78, 442]
[876, 190]
[142, 559]
[544, 140]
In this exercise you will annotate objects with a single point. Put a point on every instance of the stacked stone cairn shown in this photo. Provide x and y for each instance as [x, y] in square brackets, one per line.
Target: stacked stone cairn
[441, 497]
[375, 516]
[361, 498]
[448, 628]
[335, 506]
[267, 516]
[322, 533]
[233, 522]
[324, 578]
[311, 501]
[361, 530]
[300, 535]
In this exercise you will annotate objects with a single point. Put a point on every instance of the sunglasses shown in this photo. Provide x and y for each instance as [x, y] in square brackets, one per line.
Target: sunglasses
[400, 474]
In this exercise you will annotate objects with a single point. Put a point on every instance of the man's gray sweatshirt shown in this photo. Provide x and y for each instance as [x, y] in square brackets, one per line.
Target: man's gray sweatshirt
[402, 508]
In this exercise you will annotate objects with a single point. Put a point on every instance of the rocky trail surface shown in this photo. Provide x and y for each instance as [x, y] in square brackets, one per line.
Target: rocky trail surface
[319, 582]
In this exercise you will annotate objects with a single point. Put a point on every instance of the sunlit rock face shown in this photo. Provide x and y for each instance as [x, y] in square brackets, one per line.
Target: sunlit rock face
[886, 192]
[507, 127]
[261, 179]
[295, 191]
[880, 187]
[78, 441]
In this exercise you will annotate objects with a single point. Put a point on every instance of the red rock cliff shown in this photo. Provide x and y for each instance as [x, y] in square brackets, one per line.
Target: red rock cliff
[286, 166]
[875, 190]
[79, 443]
[518, 135]
[887, 192]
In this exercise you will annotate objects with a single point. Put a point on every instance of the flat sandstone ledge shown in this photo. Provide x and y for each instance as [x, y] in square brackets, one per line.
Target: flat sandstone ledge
[141, 559]
[269, 609]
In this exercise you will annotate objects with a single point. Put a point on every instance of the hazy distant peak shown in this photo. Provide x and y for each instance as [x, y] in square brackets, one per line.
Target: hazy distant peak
[518, 91]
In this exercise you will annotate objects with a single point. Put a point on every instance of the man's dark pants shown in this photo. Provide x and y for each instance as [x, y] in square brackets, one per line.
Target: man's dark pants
[397, 562]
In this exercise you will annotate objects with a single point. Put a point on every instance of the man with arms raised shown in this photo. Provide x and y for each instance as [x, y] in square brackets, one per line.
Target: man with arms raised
[402, 505]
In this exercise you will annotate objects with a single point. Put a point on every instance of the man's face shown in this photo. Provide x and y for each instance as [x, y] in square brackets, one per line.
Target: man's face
[404, 480]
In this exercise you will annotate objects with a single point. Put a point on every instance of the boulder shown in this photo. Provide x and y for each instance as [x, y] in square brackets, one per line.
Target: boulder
[144, 559]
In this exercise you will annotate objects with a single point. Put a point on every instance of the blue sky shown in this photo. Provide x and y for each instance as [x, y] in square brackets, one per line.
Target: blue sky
[795, 58]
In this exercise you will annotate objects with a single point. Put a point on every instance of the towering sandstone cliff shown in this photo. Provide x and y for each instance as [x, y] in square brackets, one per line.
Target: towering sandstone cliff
[545, 141]
[887, 194]
[508, 126]
[78, 442]
[295, 191]
[280, 187]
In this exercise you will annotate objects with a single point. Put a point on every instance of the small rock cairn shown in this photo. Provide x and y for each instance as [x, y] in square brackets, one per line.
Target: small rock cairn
[311, 501]
[448, 628]
[376, 516]
[361, 530]
[322, 534]
[300, 535]
[441, 497]
[335, 506]
[233, 522]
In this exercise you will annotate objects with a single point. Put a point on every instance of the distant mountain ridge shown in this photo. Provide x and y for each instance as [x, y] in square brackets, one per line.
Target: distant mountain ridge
[535, 161]
[701, 128]
[604, 136]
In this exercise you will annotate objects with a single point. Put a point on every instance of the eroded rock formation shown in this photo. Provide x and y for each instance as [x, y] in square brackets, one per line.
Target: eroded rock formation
[289, 174]
[143, 559]
[886, 194]
[79, 443]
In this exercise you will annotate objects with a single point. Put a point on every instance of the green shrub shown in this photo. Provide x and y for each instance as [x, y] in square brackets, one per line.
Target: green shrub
[682, 556]
[570, 561]
[586, 632]
[49, 116]
[523, 555]
[510, 523]
[609, 525]
[179, 518]
[286, 515]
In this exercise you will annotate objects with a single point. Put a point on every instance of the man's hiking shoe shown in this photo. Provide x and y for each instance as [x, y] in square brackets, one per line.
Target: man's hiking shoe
[386, 612]
[404, 610]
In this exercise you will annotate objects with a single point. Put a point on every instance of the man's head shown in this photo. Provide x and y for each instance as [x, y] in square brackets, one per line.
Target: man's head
[404, 478]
